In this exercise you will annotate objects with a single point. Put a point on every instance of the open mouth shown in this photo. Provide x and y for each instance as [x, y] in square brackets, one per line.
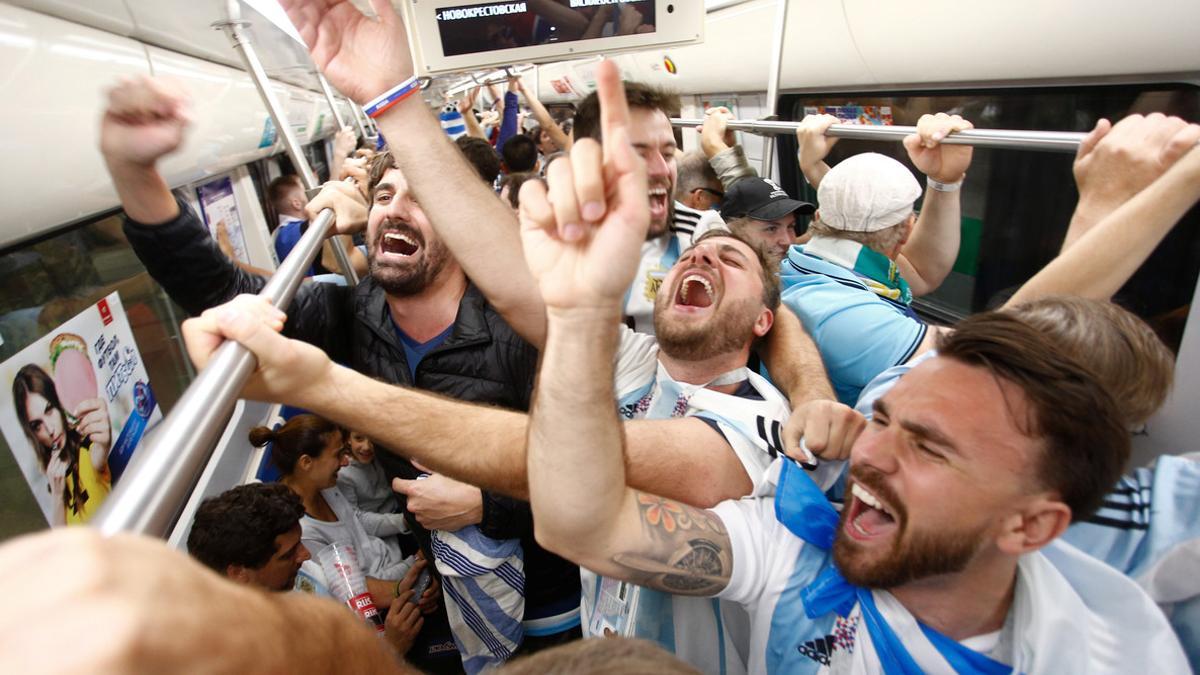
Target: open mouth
[869, 518]
[695, 291]
[398, 243]
[658, 203]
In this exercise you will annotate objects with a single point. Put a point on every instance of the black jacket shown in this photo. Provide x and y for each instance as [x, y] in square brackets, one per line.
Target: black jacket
[483, 360]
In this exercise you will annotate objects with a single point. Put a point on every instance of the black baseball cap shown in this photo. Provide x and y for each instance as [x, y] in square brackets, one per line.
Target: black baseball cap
[761, 199]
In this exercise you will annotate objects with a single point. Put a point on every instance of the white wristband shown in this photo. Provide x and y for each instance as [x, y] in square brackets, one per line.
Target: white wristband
[945, 187]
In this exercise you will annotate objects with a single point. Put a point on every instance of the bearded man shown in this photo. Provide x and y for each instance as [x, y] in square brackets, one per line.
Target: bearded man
[414, 320]
[716, 431]
[944, 558]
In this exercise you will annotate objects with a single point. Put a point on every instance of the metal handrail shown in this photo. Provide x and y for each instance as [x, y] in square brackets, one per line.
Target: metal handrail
[1047, 141]
[774, 75]
[328, 92]
[162, 474]
[358, 116]
[234, 29]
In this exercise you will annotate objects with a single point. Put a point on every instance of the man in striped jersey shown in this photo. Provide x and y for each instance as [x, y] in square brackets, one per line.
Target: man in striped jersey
[944, 558]
[672, 224]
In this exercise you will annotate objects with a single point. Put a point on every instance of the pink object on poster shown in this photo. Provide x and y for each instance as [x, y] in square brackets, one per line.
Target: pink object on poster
[74, 378]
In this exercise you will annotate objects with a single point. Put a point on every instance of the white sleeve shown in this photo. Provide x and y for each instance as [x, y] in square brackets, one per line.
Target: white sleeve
[754, 457]
[750, 426]
[756, 541]
[636, 359]
[709, 220]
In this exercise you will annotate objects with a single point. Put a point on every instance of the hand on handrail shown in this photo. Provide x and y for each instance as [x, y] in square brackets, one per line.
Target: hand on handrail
[286, 368]
[348, 202]
[941, 162]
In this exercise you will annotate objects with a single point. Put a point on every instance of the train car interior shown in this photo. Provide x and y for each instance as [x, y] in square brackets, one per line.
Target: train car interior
[261, 109]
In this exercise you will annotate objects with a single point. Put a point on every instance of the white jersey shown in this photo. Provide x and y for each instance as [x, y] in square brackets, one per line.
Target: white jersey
[658, 255]
[1071, 613]
[711, 635]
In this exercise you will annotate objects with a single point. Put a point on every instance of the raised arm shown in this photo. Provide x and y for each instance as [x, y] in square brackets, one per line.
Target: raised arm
[928, 256]
[512, 109]
[575, 455]
[814, 146]
[343, 144]
[466, 108]
[363, 58]
[1115, 162]
[561, 139]
[145, 119]
[1107, 255]
[726, 157]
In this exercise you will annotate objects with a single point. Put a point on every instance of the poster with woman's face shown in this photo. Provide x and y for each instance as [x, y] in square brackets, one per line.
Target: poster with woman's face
[73, 408]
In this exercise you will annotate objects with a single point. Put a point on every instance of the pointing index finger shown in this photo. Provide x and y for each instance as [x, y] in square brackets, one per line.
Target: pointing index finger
[614, 110]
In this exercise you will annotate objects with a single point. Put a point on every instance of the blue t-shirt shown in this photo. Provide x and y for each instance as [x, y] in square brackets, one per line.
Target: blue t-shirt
[415, 351]
[288, 236]
[859, 333]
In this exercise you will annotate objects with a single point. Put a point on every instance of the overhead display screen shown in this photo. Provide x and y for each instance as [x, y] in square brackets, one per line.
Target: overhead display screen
[491, 26]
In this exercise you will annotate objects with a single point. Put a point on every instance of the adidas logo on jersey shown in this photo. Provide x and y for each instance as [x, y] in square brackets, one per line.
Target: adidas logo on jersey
[819, 650]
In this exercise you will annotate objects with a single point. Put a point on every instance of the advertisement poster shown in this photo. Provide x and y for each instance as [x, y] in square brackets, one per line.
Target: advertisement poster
[219, 209]
[75, 407]
[727, 102]
[854, 114]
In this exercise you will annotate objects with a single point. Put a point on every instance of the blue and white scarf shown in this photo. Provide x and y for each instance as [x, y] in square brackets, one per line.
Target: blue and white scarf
[1070, 613]
[484, 586]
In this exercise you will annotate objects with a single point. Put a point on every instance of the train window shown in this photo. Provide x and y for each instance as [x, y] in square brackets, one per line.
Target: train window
[1016, 204]
[317, 158]
[314, 154]
[48, 281]
[260, 176]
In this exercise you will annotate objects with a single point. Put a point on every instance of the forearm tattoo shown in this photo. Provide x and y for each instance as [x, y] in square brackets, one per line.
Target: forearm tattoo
[689, 554]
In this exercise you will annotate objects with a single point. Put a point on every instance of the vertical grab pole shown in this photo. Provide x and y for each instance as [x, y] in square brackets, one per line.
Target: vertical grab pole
[329, 98]
[357, 113]
[773, 77]
[162, 475]
[365, 123]
[234, 30]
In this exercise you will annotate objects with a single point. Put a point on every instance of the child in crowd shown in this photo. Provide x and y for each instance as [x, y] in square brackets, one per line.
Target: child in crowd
[366, 487]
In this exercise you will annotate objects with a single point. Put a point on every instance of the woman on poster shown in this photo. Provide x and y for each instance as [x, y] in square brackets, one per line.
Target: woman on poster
[72, 449]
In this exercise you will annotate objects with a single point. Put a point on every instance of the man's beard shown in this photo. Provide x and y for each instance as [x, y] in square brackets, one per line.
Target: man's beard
[413, 278]
[924, 554]
[726, 330]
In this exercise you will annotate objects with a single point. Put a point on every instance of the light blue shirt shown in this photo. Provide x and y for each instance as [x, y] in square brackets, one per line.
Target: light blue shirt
[858, 333]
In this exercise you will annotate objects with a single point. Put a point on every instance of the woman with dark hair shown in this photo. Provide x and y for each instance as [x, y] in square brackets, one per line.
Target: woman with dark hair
[72, 449]
[309, 452]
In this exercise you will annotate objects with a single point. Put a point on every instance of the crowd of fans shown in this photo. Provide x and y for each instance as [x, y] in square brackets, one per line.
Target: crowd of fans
[803, 474]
